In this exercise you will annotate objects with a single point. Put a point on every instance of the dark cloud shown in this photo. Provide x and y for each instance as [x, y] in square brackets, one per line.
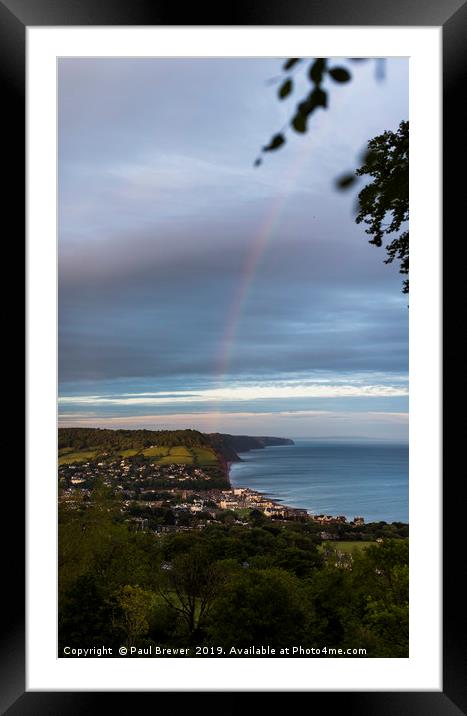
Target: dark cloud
[162, 220]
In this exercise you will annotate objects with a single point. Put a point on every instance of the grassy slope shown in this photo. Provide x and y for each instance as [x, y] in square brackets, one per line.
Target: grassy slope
[162, 455]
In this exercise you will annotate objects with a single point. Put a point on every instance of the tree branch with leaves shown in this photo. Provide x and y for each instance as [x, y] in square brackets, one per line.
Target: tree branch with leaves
[383, 203]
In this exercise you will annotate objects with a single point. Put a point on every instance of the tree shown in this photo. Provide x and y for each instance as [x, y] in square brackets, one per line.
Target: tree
[384, 202]
[330, 597]
[193, 582]
[133, 605]
[257, 517]
[259, 606]
[85, 614]
[301, 562]
[380, 577]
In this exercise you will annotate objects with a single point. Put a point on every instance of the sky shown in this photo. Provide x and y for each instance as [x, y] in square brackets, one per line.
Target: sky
[198, 291]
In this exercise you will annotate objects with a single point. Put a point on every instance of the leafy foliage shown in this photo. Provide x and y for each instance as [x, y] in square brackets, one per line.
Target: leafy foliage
[384, 201]
[263, 606]
[285, 89]
[340, 74]
[192, 584]
[229, 585]
[290, 63]
[134, 606]
[276, 142]
[319, 70]
[80, 438]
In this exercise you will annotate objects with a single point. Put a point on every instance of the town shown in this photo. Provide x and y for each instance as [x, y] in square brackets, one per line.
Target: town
[177, 497]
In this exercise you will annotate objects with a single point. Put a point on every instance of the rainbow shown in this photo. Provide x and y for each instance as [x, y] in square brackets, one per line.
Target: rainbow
[237, 306]
[257, 250]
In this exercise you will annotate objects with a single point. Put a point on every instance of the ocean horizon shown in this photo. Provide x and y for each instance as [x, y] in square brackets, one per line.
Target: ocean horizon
[366, 478]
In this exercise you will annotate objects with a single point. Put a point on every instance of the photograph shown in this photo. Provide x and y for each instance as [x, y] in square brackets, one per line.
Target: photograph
[233, 357]
[234, 388]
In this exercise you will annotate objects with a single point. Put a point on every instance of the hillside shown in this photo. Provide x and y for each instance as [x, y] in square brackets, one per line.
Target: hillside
[230, 445]
[146, 461]
[176, 446]
[116, 440]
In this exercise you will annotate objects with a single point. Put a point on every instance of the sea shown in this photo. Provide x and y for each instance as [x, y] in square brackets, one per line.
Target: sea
[366, 479]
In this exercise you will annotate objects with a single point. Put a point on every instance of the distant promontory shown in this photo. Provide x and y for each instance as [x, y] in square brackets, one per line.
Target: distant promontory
[230, 445]
[77, 444]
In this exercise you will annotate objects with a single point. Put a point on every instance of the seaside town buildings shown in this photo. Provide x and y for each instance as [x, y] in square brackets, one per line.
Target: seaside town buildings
[155, 486]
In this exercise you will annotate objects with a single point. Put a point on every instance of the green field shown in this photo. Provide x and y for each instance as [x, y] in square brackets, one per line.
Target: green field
[128, 453]
[178, 455]
[161, 454]
[181, 451]
[347, 546]
[158, 451]
[204, 456]
[68, 458]
[164, 455]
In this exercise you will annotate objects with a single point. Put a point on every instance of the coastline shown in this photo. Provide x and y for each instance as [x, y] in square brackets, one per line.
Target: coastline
[277, 502]
[277, 505]
[274, 507]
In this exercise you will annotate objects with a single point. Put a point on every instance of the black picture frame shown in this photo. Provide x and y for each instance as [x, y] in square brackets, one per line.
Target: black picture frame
[451, 15]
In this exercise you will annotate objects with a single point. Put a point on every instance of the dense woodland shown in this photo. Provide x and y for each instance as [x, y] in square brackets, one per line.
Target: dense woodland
[226, 585]
[114, 440]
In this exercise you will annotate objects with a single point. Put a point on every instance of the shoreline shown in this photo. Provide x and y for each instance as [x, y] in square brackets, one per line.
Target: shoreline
[273, 507]
[259, 492]
[278, 505]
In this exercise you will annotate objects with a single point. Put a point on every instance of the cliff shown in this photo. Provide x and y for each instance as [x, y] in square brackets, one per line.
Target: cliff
[230, 445]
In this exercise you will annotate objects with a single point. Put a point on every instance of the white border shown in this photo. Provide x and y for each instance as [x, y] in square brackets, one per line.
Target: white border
[422, 671]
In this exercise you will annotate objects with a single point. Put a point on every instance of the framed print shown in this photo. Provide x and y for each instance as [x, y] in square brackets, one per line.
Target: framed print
[187, 294]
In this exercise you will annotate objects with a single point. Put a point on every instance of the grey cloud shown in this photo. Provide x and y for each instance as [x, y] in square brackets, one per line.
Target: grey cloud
[160, 212]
